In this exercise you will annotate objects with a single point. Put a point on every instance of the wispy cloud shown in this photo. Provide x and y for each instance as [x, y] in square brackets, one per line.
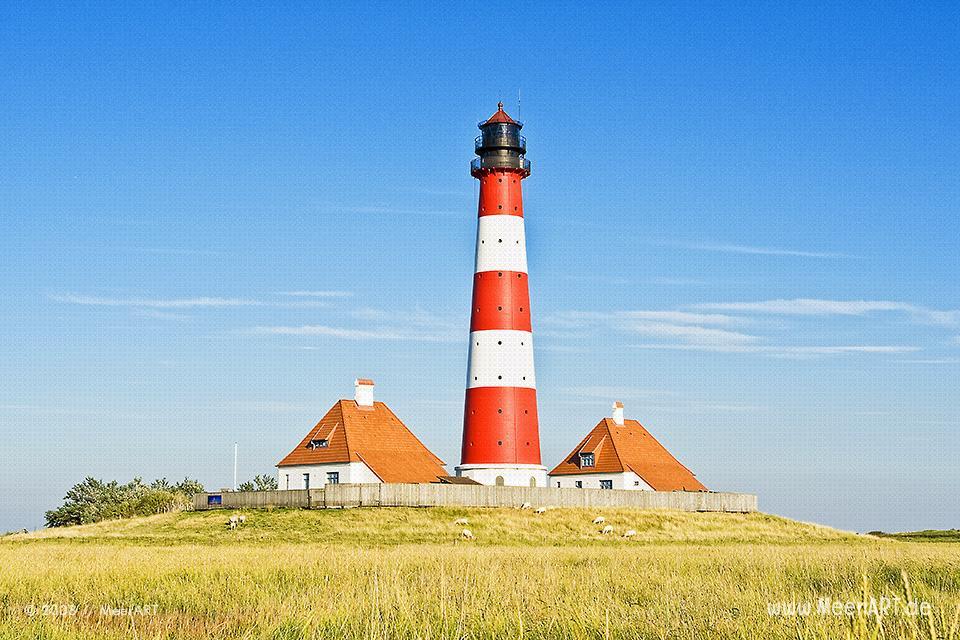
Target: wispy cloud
[386, 333]
[317, 294]
[403, 211]
[698, 328]
[155, 303]
[160, 315]
[692, 334]
[575, 319]
[819, 307]
[762, 251]
[784, 351]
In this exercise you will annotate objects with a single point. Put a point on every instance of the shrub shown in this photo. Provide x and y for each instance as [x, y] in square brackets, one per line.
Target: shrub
[260, 483]
[94, 500]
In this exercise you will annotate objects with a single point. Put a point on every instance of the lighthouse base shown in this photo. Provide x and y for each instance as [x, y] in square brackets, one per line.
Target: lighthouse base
[508, 475]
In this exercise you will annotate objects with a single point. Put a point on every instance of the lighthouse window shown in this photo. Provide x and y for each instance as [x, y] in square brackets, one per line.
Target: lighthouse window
[499, 341]
[586, 459]
[499, 239]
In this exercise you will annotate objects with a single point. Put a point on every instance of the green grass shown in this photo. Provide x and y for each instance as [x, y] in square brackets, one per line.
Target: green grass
[929, 535]
[385, 573]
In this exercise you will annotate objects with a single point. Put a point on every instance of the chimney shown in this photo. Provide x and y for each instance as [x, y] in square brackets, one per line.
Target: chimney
[618, 412]
[363, 392]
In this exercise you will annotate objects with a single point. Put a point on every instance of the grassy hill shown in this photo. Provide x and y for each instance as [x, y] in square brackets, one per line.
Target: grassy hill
[384, 573]
[929, 535]
[399, 526]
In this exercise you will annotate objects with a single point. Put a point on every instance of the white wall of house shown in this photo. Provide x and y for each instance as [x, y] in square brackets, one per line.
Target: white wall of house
[291, 477]
[625, 480]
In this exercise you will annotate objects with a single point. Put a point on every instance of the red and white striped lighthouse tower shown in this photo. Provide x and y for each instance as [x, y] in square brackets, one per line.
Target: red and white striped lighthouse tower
[501, 440]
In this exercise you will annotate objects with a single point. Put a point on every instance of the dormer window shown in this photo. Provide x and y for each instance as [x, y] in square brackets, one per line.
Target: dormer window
[317, 444]
[586, 459]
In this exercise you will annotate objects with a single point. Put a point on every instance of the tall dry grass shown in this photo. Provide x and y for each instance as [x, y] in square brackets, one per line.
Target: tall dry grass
[356, 574]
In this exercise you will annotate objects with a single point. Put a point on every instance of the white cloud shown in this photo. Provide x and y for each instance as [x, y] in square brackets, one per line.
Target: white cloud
[575, 319]
[782, 351]
[156, 303]
[763, 251]
[317, 294]
[160, 315]
[819, 307]
[385, 333]
[699, 328]
[691, 333]
[615, 392]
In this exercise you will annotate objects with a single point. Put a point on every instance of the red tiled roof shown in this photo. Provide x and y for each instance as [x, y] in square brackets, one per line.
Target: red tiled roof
[500, 116]
[372, 435]
[631, 447]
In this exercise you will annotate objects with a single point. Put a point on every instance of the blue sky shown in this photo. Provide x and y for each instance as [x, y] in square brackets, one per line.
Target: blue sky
[742, 222]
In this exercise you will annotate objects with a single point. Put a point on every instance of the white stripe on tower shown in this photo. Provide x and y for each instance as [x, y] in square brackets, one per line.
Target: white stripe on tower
[501, 358]
[501, 244]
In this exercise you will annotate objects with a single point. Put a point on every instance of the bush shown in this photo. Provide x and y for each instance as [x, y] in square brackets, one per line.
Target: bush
[260, 483]
[94, 500]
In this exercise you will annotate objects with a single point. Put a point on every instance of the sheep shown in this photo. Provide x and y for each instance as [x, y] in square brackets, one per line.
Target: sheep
[607, 529]
[629, 533]
[540, 511]
[466, 534]
[461, 522]
[243, 519]
[526, 505]
[232, 524]
[599, 520]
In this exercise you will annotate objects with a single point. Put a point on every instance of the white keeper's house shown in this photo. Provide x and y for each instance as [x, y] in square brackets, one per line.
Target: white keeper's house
[621, 454]
[361, 441]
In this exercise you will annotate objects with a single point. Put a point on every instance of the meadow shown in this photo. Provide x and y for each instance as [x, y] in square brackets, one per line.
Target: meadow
[405, 573]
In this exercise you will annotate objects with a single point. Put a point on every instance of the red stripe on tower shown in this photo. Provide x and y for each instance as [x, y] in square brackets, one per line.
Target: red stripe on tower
[501, 440]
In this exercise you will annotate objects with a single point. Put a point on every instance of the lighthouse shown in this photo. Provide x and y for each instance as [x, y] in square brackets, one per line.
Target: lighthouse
[501, 439]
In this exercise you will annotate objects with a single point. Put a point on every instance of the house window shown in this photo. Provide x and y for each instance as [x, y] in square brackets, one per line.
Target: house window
[586, 459]
[636, 483]
[333, 477]
[317, 444]
[558, 484]
[533, 482]
[578, 484]
[499, 481]
[306, 481]
[606, 484]
[287, 481]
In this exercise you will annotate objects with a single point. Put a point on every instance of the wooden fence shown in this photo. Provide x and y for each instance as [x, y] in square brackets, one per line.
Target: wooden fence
[452, 495]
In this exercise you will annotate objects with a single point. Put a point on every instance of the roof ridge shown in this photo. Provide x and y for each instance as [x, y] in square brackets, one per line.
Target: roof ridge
[654, 438]
[413, 435]
[346, 439]
[613, 443]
